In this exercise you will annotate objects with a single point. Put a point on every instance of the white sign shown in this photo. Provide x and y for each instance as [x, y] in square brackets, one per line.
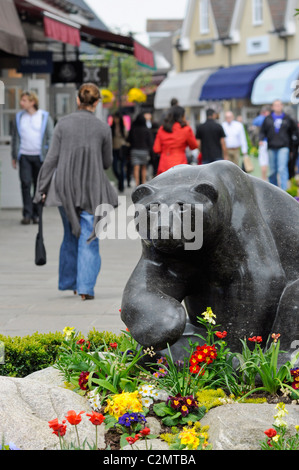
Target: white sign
[257, 45]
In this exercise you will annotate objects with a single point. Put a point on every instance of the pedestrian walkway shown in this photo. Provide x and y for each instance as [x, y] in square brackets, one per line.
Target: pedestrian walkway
[30, 299]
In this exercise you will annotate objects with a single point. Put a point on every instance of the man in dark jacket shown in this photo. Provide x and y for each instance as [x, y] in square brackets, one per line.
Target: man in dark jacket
[281, 132]
[211, 139]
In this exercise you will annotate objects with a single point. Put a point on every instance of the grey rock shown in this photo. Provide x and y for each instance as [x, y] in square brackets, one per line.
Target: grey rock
[242, 426]
[26, 406]
[49, 375]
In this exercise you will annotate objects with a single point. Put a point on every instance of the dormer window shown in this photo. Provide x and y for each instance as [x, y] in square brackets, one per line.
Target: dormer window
[257, 12]
[204, 16]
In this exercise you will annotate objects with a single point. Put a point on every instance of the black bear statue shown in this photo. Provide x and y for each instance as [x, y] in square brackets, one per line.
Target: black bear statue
[237, 252]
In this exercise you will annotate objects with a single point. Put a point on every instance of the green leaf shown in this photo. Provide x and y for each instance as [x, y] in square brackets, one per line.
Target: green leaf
[161, 409]
[123, 441]
[172, 420]
[105, 384]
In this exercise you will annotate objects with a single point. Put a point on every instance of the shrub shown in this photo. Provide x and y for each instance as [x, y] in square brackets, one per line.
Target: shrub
[24, 355]
[28, 354]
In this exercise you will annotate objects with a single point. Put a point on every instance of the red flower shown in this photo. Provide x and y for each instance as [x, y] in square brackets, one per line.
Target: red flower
[220, 334]
[74, 418]
[113, 345]
[270, 432]
[83, 343]
[83, 380]
[194, 369]
[145, 432]
[96, 418]
[131, 440]
[58, 429]
[255, 339]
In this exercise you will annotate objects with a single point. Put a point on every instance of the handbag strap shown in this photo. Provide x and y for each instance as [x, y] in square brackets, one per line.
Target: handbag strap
[40, 218]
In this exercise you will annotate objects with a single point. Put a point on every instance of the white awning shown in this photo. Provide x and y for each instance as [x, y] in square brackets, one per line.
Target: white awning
[276, 82]
[185, 87]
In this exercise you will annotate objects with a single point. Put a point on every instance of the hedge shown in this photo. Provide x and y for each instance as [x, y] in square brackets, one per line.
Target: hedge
[25, 355]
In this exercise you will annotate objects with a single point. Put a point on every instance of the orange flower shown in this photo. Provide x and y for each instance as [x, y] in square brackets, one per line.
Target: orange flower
[74, 418]
[96, 418]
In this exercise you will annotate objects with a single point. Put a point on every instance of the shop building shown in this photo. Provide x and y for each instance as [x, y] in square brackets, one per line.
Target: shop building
[243, 52]
[42, 48]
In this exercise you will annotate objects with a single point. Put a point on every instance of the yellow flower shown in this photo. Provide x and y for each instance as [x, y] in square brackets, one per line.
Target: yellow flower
[209, 316]
[297, 427]
[68, 332]
[107, 96]
[189, 438]
[123, 403]
[275, 438]
[136, 95]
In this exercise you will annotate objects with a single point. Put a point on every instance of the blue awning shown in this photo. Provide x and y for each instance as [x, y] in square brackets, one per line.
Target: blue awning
[276, 82]
[232, 82]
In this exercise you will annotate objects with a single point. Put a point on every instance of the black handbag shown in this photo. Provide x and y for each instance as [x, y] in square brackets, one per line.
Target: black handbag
[40, 251]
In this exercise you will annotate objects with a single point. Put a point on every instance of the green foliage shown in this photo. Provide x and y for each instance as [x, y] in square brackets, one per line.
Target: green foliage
[109, 367]
[132, 74]
[28, 354]
[24, 355]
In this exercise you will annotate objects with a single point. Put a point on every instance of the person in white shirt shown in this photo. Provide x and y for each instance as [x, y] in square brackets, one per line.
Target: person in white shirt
[235, 138]
[30, 142]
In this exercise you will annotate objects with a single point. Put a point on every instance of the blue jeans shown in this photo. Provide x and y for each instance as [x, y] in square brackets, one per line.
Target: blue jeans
[278, 164]
[79, 261]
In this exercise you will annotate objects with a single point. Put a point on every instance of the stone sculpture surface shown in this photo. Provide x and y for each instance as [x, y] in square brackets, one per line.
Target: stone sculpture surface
[246, 270]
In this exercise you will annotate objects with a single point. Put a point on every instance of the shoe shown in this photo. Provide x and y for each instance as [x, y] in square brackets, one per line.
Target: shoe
[35, 220]
[87, 297]
[25, 221]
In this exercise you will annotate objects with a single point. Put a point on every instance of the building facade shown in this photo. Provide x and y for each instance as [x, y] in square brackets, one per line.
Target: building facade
[231, 42]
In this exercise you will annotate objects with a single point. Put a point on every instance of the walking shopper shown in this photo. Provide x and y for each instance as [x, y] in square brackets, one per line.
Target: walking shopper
[73, 178]
[281, 133]
[235, 139]
[119, 135]
[263, 147]
[211, 139]
[140, 140]
[32, 133]
[172, 139]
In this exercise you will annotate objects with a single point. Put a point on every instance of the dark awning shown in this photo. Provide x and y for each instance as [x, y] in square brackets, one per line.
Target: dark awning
[12, 37]
[232, 82]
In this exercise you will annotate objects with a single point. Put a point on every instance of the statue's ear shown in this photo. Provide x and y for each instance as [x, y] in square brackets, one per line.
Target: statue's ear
[142, 191]
[208, 189]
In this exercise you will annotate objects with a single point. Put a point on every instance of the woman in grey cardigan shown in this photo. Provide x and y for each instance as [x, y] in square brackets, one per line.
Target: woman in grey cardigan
[73, 178]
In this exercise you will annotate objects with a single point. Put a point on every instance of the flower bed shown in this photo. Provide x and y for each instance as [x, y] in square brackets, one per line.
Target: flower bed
[125, 385]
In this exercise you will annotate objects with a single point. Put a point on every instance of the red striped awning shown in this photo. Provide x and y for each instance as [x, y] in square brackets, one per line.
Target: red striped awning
[61, 31]
[144, 55]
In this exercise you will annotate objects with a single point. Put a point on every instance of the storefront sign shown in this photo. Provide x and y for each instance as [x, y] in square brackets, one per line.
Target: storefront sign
[67, 72]
[36, 62]
[203, 47]
[97, 75]
[257, 45]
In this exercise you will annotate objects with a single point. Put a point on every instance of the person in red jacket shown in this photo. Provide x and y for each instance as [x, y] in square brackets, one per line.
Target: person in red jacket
[172, 139]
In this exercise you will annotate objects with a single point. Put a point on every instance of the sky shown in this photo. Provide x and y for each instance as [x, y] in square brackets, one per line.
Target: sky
[122, 16]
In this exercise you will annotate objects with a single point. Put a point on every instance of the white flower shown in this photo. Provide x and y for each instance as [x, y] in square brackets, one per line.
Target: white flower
[94, 400]
[147, 402]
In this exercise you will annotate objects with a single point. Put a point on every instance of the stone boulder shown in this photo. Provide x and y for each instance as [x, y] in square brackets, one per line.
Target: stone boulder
[26, 406]
[241, 426]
